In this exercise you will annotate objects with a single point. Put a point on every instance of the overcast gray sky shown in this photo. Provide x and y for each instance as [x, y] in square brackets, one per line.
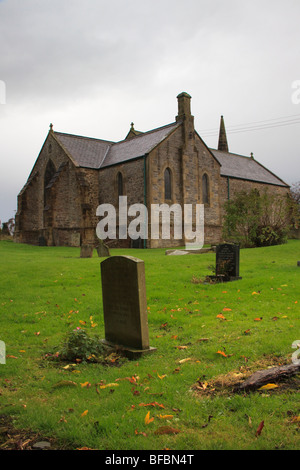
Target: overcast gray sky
[91, 67]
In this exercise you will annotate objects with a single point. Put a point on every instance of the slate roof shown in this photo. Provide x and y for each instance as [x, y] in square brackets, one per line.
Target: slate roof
[84, 151]
[138, 146]
[97, 153]
[239, 166]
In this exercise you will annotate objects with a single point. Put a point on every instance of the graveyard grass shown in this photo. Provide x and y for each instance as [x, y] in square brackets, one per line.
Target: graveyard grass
[208, 337]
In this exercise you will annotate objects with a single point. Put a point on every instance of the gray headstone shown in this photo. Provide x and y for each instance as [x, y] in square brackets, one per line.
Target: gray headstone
[102, 250]
[86, 251]
[228, 261]
[125, 304]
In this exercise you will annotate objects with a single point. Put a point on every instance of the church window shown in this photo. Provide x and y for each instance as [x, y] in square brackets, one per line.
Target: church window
[205, 189]
[49, 173]
[120, 184]
[168, 184]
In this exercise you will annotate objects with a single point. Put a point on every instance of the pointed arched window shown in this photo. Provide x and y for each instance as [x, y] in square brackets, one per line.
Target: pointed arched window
[168, 184]
[120, 184]
[205, 189]
[49, 173]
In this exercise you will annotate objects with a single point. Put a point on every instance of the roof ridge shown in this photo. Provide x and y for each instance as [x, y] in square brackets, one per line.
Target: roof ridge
[142, 134]
[230, 153]
[84, 137]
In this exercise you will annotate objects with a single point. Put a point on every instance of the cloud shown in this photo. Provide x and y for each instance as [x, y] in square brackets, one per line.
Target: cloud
[92, 67]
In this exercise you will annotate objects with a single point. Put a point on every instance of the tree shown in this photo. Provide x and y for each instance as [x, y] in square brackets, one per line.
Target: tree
[255, 219]
[295, 195]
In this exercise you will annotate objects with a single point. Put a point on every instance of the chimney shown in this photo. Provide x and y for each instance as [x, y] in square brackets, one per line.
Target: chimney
[223, 145]
[184, 106]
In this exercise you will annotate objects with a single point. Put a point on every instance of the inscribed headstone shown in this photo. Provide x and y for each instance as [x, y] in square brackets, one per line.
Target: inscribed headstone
[86, 251]
[228, 261]
[124, 303]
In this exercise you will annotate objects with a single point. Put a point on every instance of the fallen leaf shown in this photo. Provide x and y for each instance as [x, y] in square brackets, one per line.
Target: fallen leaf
[259, 429]
[221, 316]
[85, 384]
[165, 416]
[148, 419]
[268, 387]
[222, 353]
[226, 309]
[184, 360]
[258, 319]
[85, 413]
[109, 385]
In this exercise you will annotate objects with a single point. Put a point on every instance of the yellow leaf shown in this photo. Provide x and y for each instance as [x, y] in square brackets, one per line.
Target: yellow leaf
[148, 419]
[161, 376]
[85, 384]
[184, 360]
[165, 416]
[85, 413]
[109, 385]
[268, 387]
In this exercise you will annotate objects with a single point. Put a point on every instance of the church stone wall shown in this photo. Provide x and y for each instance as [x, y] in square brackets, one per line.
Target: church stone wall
[53, 215]
[187, 169]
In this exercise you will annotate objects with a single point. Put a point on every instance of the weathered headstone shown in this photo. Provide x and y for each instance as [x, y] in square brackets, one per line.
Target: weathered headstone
[298, 263]
[227, 263]
[86, 251]
[102, 249]
[125, 304]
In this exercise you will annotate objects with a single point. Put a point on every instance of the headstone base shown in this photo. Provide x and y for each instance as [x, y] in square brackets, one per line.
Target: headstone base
[222, 278]
[131, 353]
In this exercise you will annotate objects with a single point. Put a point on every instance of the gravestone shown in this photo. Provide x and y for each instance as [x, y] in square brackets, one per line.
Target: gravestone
[298, 263]
[125, 305]
[86, 251]
[227, 263]
[102, 249]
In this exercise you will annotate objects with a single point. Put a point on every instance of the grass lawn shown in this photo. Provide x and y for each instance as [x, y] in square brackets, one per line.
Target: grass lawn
[180, 397]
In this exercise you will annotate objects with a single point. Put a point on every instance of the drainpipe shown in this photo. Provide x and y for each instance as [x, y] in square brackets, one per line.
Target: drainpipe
[145, 195]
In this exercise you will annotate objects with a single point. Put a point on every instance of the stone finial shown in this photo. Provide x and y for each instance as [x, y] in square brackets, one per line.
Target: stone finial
[51, 126]
[222, 145]
[251, 155]
[132, 125]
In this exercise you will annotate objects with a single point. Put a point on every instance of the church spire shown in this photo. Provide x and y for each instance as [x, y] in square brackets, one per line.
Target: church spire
[223, 145]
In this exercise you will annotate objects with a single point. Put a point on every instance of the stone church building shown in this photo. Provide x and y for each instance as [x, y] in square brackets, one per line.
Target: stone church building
[73, 175]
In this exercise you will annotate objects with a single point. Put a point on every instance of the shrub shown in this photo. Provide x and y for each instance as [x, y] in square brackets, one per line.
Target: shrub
[79, 346]
[253, 219]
